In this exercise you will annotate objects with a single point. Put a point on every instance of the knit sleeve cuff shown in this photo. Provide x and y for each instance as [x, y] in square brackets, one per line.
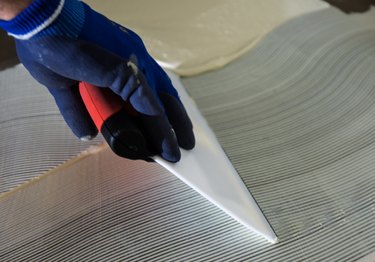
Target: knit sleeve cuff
[40, 15]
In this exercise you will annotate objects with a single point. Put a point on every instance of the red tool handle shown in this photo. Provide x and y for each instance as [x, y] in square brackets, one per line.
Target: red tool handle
[117, 121]
[101, 103]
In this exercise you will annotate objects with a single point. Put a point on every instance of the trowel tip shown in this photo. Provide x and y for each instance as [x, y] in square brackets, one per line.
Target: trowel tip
[269, 235]
[274, 240]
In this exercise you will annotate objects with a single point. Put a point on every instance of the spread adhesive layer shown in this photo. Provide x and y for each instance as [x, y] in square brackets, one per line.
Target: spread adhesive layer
[296, 118]
[33, 136]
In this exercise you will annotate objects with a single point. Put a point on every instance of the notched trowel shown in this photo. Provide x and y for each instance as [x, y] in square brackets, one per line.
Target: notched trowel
[206, 168]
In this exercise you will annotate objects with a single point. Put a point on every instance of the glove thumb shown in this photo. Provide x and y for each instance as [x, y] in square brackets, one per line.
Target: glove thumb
[74, 112]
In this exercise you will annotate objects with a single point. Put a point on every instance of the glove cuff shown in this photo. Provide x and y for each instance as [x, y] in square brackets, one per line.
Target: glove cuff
[47, 17]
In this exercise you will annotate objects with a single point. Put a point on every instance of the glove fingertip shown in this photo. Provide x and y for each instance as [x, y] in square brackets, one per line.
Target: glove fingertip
[85, 130]
[187, 141]
[180, 120]
[170, 150]
[87, 137]
[74, 112]
[171, 157]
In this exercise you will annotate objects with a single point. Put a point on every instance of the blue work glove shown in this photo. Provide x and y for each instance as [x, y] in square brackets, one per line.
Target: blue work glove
[352, 6]
[64, 42]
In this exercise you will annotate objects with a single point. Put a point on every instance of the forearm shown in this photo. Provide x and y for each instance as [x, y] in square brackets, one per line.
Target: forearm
[11, 8]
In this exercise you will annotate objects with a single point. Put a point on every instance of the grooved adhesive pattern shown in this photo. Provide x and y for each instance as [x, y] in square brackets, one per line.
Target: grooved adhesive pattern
[296, 116]
[33, 136]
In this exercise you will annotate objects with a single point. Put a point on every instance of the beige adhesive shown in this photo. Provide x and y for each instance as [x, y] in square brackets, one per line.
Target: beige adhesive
[190, 37]
[92, 150]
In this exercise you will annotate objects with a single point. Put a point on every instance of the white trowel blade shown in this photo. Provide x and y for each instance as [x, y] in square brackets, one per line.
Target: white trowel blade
[208, 170]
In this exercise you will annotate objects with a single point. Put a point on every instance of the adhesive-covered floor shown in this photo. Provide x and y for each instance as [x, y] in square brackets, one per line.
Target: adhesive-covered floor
[33, 136]
[296, 118]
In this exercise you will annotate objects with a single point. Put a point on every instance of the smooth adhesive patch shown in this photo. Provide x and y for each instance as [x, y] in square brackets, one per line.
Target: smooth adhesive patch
[200, 35]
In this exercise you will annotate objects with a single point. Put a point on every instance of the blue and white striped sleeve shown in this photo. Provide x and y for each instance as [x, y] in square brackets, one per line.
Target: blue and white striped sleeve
[47, 17]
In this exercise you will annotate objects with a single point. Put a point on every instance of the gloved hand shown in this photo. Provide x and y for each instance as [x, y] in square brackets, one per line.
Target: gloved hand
[64, 42]
[352, 6]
